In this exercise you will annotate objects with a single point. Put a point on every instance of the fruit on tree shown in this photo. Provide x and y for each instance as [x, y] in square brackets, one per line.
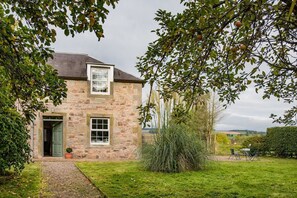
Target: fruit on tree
[234, 49]
[237, 24]
[242, 46]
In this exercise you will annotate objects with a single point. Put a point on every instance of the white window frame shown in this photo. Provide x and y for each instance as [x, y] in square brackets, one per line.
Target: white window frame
[104, 130]
[110, 70]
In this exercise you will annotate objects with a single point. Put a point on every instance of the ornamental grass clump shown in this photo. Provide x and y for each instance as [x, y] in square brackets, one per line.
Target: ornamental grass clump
[174, 150]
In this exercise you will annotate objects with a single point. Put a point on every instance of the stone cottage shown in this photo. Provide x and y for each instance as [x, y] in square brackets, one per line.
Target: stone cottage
[99, 117]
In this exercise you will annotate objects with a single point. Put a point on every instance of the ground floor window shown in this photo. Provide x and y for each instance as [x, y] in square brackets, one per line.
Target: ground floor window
[100, 131]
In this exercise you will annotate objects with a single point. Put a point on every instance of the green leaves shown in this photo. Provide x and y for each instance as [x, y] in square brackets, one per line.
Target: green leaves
[14, 147]
[225, 46]
[292, 7]
[282, 141]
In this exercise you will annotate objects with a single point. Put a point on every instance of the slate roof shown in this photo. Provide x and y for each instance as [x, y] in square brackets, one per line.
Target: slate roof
[74, 67]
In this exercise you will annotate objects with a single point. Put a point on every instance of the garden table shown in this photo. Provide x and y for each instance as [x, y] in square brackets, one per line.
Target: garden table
[246, 152]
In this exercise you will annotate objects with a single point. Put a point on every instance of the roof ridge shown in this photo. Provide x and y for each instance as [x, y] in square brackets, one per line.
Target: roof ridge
[72, 53]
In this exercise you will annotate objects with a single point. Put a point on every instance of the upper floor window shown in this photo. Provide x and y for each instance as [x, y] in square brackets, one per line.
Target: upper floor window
[100, 78]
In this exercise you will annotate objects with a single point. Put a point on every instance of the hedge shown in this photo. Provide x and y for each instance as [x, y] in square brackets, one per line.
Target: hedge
[282, 141]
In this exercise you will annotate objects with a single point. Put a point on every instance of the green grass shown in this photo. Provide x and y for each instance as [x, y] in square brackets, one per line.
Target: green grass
[28, 184]
[264, 178]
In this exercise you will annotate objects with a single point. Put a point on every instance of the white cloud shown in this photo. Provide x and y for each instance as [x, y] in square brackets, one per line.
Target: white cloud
[251, 112]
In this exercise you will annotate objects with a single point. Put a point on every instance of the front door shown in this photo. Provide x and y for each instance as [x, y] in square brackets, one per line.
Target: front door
[57, 139]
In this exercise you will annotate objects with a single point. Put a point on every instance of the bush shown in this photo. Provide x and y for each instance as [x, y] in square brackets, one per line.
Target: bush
[222, 144]
[282, 141]
[14, 147]
[69, 150]
[239, 139]
[256, 144]
[175, 149]
[222, 138]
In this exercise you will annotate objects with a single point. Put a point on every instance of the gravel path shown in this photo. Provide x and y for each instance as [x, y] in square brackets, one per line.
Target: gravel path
[63, 179]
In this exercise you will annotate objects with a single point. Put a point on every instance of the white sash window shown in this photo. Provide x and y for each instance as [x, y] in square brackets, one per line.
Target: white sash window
[100, 78]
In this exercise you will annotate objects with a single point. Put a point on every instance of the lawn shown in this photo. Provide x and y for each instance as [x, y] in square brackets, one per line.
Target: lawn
[264, 178]
[28, 184]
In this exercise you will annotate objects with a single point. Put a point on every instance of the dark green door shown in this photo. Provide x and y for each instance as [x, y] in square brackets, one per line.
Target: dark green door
[58, 139]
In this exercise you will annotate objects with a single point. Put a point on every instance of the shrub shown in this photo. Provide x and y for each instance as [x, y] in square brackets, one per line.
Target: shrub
[282, 141]
[256, 144]
[222, 138]
[175, 149]
[239, 139]
[69, 150]
[14, 147]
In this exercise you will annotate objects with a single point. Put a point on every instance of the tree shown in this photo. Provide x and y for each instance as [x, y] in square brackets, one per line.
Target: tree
[205, 114]
[225, 46]
[200, 116]
[27, 29]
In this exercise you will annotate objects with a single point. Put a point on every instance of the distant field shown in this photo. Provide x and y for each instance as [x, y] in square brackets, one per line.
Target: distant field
[265, 178]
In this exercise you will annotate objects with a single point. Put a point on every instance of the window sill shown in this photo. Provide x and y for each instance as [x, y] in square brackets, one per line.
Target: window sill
[99, 146]
[100, 93]
[96, 145]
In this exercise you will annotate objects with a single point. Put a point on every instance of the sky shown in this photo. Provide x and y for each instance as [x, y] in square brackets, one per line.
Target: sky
[127, 33]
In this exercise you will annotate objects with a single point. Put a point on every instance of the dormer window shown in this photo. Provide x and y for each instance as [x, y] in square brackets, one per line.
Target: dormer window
[100, 77]
[99, 80]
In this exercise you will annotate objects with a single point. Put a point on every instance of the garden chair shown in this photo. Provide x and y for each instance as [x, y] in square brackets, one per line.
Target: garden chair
[253, 155]
[234, 154]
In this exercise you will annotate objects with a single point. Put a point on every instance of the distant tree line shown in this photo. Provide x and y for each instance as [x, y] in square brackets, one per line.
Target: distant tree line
[249, 132]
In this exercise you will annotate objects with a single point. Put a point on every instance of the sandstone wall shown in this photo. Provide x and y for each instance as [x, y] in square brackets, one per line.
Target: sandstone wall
[80, 106]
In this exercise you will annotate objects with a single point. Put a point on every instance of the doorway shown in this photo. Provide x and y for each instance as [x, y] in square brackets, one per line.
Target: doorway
[53, 136]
